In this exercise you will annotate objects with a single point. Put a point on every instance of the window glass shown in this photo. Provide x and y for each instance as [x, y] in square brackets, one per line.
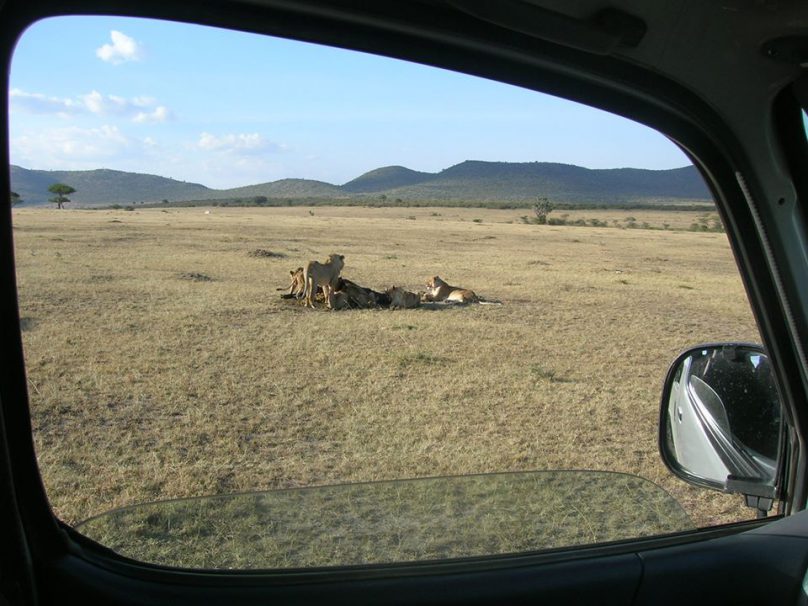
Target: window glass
[189, 410]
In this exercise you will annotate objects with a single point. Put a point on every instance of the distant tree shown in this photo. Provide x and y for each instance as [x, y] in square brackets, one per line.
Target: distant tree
[542, 208]
[60, 191]
[15, 198]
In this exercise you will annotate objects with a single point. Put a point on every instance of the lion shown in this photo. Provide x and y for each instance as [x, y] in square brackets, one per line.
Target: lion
[324, 275]
[438, 290]
[402, 299]
[298, 285]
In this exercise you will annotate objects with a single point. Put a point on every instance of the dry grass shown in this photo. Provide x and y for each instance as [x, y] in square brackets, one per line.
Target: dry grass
[400, 521]
[163, 364]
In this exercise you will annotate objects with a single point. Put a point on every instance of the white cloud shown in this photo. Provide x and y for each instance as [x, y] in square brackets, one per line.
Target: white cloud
[122, 49]
[159, 114]
[139, 109]
[241, 144]
[38, 103]
[71, 147]
[97, 103]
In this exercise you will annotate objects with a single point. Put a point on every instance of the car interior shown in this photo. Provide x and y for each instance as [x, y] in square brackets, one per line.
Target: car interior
[724, 83]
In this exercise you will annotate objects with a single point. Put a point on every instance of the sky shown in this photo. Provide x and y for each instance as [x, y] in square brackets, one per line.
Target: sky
[227, 109]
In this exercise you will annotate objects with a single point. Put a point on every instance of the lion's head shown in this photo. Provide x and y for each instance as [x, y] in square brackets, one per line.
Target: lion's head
[336, 260]
[435, 282]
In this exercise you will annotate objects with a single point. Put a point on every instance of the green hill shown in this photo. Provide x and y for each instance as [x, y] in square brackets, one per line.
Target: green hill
[286, 188]
[474, 180]
[102, 186]
[386, 178]
[470, 181]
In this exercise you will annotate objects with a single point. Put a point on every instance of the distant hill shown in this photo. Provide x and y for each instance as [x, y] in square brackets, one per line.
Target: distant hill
[387, 178]
[471, 181]
[286, 188]
[103, 186]
[559, 182]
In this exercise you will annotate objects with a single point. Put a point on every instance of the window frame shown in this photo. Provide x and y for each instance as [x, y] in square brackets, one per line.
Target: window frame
[413, 32]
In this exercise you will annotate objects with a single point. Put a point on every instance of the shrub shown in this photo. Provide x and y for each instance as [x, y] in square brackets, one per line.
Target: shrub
[542, 208]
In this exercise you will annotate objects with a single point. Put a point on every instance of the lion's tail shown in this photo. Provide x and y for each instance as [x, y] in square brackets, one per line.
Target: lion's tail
[482, 301]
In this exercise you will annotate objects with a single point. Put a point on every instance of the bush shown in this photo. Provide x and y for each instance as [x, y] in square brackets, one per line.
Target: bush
[542, 208]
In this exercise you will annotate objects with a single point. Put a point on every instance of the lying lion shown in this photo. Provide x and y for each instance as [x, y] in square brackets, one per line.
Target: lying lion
[324, 275]
[438, 290]
[402, 299]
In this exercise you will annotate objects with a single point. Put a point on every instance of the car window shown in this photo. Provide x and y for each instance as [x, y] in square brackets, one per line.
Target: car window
[510, 275]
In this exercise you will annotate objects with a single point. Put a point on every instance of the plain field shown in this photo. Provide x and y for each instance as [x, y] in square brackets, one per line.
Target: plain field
[162, 362]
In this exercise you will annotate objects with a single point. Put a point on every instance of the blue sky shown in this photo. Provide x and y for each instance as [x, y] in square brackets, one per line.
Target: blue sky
[227, 109]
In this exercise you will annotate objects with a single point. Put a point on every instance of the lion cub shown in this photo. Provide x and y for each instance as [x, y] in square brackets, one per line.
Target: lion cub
[298, 285]
[438, 290]
[324, 275]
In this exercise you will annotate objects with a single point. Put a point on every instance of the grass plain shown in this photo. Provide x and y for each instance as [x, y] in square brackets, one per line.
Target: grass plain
[162, 363]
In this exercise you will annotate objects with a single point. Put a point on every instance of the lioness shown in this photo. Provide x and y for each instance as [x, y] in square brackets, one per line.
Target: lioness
[324, 275]
[402, 299]
[438, 290]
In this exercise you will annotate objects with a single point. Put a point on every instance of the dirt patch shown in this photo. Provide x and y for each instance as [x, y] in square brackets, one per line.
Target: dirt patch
[194, 277]
[262, 252]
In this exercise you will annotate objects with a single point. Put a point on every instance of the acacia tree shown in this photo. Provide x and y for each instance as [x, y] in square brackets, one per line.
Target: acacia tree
[61, 192]
[542, 208]
[15, 198]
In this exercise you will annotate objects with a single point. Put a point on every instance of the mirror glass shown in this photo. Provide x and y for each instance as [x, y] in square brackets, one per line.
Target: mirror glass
[722, 418]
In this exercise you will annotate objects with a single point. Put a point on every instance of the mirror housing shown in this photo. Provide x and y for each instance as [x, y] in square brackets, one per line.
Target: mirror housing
[721, 422]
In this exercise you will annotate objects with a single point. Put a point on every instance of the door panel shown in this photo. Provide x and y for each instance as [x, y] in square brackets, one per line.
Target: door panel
[609, 580]
[762, 566]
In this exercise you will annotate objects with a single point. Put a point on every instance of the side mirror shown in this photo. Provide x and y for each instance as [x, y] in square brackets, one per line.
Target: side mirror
[721, 422]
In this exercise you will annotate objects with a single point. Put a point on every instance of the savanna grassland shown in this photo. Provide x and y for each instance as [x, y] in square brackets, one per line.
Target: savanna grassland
[163, 364]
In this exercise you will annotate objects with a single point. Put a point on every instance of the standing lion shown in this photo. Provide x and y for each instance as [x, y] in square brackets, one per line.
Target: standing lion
[324, 275]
